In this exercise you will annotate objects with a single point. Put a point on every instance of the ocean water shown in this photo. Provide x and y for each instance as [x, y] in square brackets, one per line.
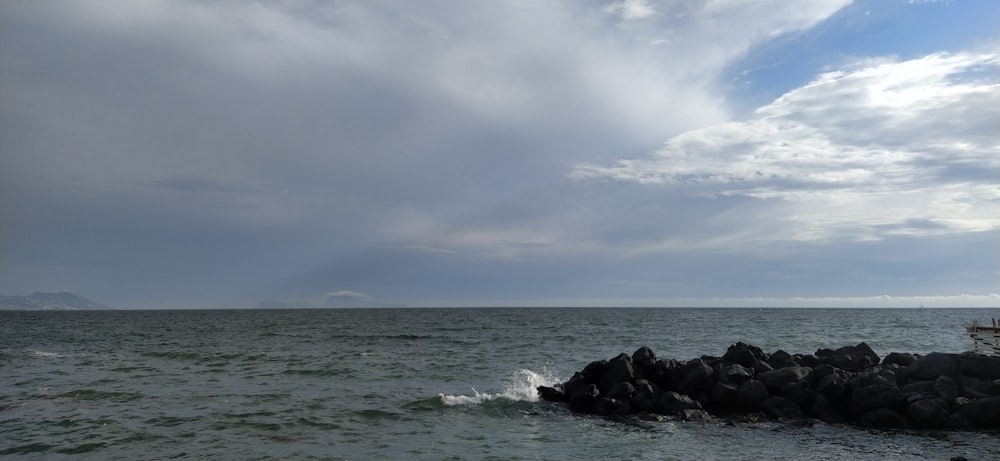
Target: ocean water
[436, 384]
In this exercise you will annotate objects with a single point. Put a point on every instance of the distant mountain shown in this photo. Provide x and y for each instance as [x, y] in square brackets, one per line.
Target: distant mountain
[332, 301]
[346, 300]
[41, 301]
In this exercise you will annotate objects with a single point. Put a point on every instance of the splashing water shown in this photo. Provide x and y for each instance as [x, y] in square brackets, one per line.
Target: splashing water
[521, 385]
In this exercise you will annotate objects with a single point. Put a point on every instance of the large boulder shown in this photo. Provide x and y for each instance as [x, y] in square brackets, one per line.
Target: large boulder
[646, 394]
[751, 393]
[644, 361]
[744, 354]
[594, 370]
[777, 380]
[933, 365]
[781, 359]
[618, 370]
[983, 412]
[732, 373]
[897, 358]
[850, 358]
[583, 400]
[671, 402]
[975, 387]
[928, 413]
[779, 407]
[979, 366]
[946, 388]
[880, 394]
[724, 395]
[694, 377]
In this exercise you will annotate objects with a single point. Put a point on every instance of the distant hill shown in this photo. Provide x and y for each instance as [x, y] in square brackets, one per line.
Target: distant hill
[41, 301]
[332, 301]
[355, 301]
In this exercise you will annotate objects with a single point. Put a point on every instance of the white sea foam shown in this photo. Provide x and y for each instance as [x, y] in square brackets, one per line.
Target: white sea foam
[521, 385]
[45, 354]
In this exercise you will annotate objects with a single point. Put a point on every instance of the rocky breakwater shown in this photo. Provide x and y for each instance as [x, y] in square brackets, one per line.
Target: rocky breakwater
[850, 384]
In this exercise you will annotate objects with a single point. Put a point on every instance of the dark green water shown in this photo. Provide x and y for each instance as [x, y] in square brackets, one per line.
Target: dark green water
[415, 383]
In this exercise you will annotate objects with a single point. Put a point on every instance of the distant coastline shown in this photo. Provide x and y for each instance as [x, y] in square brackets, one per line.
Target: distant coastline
[49, 301]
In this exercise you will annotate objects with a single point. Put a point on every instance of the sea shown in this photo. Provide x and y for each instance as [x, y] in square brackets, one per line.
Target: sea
[419, 384]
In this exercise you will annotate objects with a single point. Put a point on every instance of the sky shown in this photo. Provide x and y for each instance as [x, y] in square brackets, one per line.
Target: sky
[182, 153]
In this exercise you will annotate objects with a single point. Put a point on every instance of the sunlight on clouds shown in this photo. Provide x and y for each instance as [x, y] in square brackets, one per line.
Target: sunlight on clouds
[854, 152]
[632, 9]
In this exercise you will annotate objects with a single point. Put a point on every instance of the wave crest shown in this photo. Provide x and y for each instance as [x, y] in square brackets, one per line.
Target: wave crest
[520, 386]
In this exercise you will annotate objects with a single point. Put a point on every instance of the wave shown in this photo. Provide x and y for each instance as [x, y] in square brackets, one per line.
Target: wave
[520, 386]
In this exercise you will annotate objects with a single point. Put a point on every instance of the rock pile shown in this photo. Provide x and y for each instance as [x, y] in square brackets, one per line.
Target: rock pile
[850, 384]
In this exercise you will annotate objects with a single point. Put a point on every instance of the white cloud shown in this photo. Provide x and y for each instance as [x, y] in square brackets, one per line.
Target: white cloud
[632, 9]
[347, 293]
[857, 153]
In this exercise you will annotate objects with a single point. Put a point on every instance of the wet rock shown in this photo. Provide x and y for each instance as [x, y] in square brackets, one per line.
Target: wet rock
[584, 399]
[744, 354]
[776, 380]
[781, 359]
[979, 366]
[672, 402]
[935, 364]
[618, 370]
[937, 390]
[723, 395]
[806, 360]
[622, 391]
[823, 409]
[644, 360]
[880, 394]
[946, 388]
[646, 395]
[984, 412]
[751, 393]
[609, 406]
[920, 390]
[849, 358]
[692, 414]
[778, 407]
[900, 359]
[975, 387]
[551, 394]
[929, 413]
[733, 373]
[695, 377]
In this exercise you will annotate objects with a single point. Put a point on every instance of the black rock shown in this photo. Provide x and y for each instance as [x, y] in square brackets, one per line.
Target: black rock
[781, 408]
[781, 359]
[933, 365]
[672, 402]
[928, 413]
[850, 358]
[983, 412]
[899, 359]
[937, 390]
[979, 366]
[744, 354]
[551, 394]
[751, 393]
[618, 370]
[776, 380]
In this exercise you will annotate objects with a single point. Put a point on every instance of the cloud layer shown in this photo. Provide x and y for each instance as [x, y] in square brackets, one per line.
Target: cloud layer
[878, 148]
[189, 153]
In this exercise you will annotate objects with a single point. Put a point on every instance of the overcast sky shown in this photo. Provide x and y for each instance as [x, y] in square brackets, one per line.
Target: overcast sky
[172, 153]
